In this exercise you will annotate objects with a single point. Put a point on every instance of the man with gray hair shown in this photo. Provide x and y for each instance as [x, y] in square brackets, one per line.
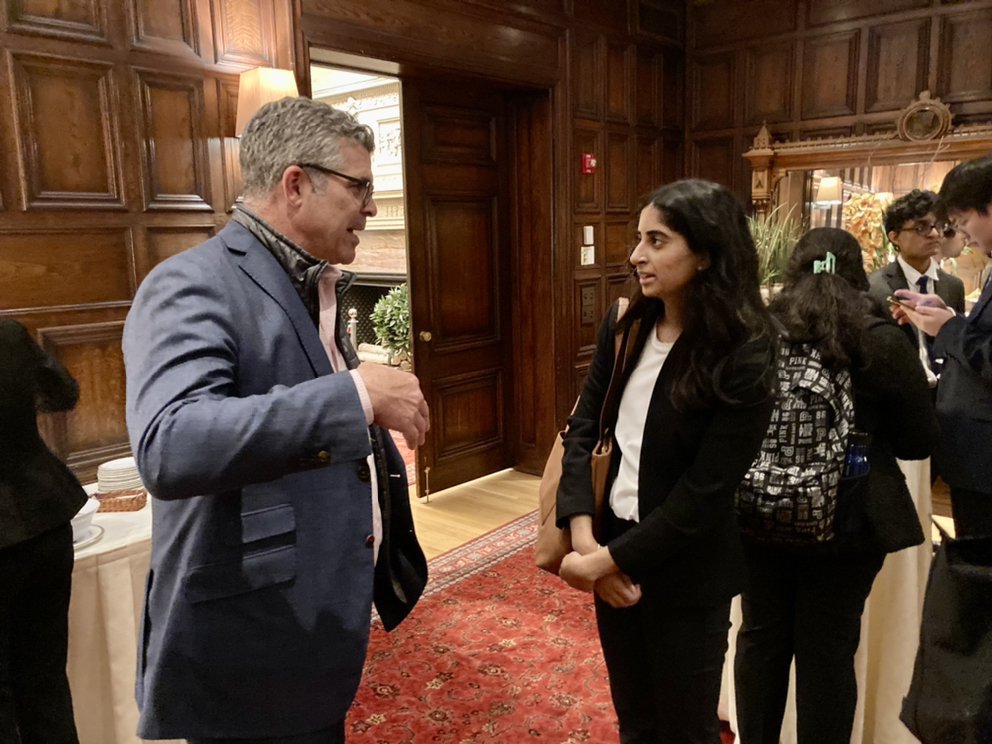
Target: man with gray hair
[280, 504]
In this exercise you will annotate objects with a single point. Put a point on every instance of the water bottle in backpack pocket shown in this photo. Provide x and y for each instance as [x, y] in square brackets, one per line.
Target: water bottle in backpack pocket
[853, 487]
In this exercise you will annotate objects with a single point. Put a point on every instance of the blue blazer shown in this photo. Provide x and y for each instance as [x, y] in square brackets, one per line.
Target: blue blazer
[260, 589]
[964, 397]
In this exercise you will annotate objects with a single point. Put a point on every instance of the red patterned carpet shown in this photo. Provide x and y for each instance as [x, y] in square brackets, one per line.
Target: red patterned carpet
[497, 651]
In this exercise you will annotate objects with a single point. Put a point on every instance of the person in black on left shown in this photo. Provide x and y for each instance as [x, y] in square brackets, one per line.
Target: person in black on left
[38, 498]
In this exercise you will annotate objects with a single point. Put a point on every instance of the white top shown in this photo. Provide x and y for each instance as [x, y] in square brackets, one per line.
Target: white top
[629, 431]
[913, 280]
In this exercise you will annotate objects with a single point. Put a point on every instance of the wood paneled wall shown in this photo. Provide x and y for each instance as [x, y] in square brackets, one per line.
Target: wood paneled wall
[614, 74]
[627, 111]
[116, 135]
[824, 68]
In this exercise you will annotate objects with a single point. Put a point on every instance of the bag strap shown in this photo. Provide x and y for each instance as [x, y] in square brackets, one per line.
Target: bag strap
[621, 353]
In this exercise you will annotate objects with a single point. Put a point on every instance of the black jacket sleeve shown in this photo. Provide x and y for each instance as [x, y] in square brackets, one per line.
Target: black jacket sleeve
[896, 388]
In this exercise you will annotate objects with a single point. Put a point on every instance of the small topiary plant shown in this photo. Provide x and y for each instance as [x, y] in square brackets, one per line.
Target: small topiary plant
[391, 321]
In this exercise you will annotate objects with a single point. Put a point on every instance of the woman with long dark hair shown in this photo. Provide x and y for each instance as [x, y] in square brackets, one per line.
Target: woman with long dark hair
[806, 602]
[38, 498]
[694, 406]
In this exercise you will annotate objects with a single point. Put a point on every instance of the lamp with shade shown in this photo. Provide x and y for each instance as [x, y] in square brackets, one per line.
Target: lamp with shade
[259, 86]
[829, 192]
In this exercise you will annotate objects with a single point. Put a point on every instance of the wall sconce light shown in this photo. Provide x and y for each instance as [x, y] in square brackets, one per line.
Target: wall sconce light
[829, 192]
[258, 87]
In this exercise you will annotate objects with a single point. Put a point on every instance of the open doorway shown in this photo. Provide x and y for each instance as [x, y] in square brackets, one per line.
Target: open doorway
[463, 185]
[373, 304]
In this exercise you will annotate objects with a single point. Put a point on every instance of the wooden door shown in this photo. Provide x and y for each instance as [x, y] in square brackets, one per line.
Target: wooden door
[455, 166]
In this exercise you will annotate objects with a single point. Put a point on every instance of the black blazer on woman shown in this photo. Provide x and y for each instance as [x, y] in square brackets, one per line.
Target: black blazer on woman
[37, 491]
[687, 543]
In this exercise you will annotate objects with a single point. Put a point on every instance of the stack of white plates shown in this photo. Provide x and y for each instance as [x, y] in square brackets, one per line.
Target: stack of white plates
[118, 475]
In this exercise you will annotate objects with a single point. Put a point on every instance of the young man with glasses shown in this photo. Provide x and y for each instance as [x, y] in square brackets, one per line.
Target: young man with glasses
[281, 509]
[964, 397]
[915, 232]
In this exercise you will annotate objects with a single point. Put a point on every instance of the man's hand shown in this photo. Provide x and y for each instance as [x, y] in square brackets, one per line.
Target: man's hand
[929, 319]
[925, 311]
[617, 590]
[397, 401]
[914, 300]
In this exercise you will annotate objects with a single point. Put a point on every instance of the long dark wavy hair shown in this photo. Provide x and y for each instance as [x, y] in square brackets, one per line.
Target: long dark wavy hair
[828, 310]
[722, 305]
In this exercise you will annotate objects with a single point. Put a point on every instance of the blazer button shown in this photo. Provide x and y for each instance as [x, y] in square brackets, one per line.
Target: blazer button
[363, 473]
[370, 541]
[323, 457]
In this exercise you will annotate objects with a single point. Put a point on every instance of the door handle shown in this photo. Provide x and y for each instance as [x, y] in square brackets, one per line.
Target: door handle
[425, 336]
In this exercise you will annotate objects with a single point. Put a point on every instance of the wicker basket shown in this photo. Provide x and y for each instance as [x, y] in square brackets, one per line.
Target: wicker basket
[130, 500]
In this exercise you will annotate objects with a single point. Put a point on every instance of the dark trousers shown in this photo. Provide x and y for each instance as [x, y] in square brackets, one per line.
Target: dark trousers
[333, 735]
[808, 607]
[972, 511]
[665, 664]
[35, 578]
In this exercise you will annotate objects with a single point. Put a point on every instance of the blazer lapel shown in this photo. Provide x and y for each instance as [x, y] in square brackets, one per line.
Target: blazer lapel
[895, 277]
[270, 277]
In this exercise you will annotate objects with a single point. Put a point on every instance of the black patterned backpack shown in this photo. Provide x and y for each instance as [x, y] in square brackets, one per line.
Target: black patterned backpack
[790, 494]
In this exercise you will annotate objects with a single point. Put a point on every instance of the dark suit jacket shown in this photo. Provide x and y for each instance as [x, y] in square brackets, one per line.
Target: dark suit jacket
[37, 491]
[260, 588]
[687, 543]
[964, 397]
[891, 277]
[893, 404]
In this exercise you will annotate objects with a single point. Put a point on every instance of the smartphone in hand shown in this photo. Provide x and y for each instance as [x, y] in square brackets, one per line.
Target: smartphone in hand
[893, 300]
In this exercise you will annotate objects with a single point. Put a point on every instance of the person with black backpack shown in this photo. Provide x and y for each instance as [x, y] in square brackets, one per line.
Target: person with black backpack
[825, 500]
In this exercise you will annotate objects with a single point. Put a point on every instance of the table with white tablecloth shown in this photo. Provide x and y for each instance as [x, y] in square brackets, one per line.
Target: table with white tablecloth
[890, 630]
[108, 583]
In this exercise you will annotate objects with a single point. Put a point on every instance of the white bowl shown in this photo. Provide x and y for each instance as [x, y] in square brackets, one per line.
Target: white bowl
[84, 519]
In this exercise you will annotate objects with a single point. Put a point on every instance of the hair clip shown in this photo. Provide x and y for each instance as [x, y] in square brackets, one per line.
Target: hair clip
[829, 264]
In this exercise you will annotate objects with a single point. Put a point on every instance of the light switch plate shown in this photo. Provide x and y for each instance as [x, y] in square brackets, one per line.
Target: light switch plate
[588, 255]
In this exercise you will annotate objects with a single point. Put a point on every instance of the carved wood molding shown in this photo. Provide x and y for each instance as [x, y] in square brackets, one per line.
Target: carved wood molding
[82, 20]
[67, 132]
[239, 32]
[55, 340]
[173, 31]
[175, 164]
[923, 132]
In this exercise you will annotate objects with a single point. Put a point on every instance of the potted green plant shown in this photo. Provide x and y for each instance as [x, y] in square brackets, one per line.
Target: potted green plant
[391, 322]
[774, 238]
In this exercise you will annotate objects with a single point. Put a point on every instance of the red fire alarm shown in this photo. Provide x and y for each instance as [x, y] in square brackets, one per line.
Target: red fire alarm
[588, 163]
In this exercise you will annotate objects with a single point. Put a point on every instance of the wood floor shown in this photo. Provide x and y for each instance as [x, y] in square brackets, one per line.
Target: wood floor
[456, 515]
